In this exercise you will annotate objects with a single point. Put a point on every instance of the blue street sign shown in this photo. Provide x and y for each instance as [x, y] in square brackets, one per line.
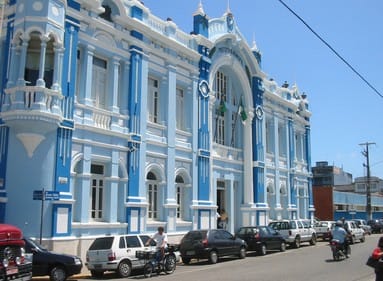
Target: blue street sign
[37, 195]
[48, 195]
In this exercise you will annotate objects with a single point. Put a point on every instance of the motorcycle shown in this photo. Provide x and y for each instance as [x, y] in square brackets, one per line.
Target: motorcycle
[167, 264]
[339, 251]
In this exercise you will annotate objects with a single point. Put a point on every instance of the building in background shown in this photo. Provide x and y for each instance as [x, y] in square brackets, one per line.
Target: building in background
[122, 122]
[337, 196]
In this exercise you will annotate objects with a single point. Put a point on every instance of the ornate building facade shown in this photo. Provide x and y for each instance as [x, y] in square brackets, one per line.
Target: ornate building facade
[127, 122]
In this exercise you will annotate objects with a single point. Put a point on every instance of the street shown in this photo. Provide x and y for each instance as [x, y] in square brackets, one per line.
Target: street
[313, 263]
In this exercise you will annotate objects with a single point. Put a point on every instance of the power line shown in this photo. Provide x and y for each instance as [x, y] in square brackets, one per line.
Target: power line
[332, 49]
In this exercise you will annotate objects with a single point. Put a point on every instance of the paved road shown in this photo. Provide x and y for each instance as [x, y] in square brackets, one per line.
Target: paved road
[308, 263]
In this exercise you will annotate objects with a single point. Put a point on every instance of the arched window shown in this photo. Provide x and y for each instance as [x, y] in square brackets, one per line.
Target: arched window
[180, 187]
[32, 65]
[152, 195]
[49, 64]
[107, 15]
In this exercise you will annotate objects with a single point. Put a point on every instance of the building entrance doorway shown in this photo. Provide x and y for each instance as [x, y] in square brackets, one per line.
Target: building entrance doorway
[221, 204]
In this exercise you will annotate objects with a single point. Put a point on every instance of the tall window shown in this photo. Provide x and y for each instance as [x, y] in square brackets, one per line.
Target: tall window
[153, 100]
[152, 195]
[97, 191]
[180, 110]
[282, 140]
[269, 137]
[99, 82]
[221, 82]
[221, 86]
[180, 197]
[298, 147]
[32, 65]
[220, 130]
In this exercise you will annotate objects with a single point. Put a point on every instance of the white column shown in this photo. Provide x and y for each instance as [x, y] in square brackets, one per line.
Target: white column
[248, 160]
[43, 48]
[115, 79]
[23, 59]
[89, 52]
[57, 69]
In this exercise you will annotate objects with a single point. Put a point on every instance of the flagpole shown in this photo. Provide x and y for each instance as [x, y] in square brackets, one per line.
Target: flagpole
[234, 125]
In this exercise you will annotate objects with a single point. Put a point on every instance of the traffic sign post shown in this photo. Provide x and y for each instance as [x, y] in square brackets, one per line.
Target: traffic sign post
[44, 195]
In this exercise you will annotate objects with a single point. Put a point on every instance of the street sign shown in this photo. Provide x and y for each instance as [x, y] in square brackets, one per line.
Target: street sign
[48, 195]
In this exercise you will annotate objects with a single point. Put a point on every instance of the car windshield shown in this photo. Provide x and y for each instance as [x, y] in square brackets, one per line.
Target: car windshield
[36, 245]
[103, 243]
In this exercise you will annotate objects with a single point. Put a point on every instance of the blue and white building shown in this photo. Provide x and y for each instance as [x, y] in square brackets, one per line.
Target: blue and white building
[129, 123]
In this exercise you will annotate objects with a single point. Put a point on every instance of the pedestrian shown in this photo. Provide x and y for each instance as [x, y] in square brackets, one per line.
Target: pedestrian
[224, 219]
[218, 217]
[377, 255]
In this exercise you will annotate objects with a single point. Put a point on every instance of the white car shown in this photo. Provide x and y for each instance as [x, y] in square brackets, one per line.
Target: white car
[295, 231]
[116, 253]
[357, 233]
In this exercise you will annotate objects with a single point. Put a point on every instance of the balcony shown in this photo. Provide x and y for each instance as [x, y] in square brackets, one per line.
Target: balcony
[31, 103]
[227, 152]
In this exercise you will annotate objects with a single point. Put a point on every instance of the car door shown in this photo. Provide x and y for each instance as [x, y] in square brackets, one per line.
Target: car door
[272, 238]
[226, 242]
[265, 237]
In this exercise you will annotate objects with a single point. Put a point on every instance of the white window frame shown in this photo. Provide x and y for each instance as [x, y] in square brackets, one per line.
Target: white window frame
[97, 195]
[152, 195]
[99, 82]
[153, 100]
[180, 110]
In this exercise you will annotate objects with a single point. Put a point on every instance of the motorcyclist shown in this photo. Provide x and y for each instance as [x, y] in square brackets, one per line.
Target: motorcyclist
[161, 239]
[340, 234]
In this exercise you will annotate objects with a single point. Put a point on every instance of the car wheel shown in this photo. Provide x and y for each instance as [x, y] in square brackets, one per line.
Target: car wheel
[124, 269]
[263, 250]
[282, 247]
[58, 274]
[185, 260]
[313, 240]
[242, 253]
[96, 274]
[362, 239]
[213, 257]
[297, 242]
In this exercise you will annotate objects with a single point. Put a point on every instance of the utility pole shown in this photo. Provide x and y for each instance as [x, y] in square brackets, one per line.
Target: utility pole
[367, 165]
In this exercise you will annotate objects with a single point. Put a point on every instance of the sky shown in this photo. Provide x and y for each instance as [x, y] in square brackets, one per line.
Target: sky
[346, 112]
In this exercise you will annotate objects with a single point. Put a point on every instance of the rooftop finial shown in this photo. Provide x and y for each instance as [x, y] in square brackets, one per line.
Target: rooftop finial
[254, 47]
[200, 10]
[228, 7]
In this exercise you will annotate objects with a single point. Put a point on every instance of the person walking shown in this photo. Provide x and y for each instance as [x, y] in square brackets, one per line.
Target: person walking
[377, 254]
[224, 219]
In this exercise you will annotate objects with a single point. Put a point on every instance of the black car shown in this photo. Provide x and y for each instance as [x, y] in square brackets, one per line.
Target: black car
[211, 244]
[261, 239]
[376, 225]
[58, 266]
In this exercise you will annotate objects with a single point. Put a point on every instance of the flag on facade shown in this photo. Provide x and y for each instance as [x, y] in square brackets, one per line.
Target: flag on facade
[242, 112]
[222, 107]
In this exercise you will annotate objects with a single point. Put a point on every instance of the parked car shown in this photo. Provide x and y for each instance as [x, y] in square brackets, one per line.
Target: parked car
[295, 231]
[116, 253]
[376, 225]
[261, 239]
[211, 244]
[58, 266]
[363, 224]
[356, 232]
[323, 229]
[13, 264]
